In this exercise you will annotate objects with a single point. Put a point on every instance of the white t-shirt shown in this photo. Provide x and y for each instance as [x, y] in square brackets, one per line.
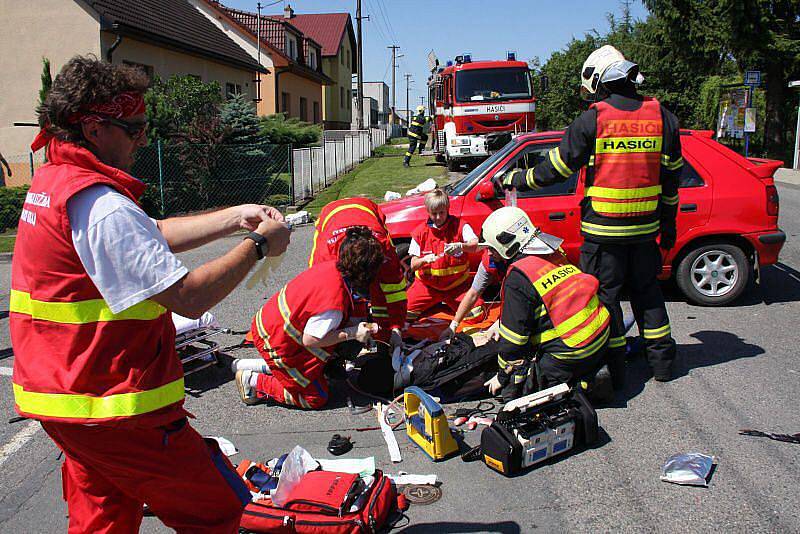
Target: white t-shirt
[121, 248]
[321, 324]
[467, 233]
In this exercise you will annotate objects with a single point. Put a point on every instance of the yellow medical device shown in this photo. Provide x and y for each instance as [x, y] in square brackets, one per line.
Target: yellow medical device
[426, 425]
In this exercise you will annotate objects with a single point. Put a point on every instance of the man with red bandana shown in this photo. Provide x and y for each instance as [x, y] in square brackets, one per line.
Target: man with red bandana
[93, 281]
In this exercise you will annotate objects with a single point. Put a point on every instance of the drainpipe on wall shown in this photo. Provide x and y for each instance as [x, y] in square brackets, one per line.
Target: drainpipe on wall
[278, 72]
[114, 45]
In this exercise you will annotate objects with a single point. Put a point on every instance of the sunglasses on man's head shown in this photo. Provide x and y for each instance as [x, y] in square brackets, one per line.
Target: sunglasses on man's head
[135, 130]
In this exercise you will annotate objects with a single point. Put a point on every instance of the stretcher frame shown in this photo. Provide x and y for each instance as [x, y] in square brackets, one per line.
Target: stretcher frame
[196, 350]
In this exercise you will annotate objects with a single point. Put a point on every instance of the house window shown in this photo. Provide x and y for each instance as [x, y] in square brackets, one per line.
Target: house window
[341, 58]
[355, 93]
[147, 69]
[285, 104]
[349, 103]
[303, 109]
[291, 48]
[232, 89]
[348, 59]
[341, 97]
[316, 112]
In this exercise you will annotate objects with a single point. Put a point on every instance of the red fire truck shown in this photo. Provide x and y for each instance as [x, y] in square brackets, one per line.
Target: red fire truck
[478, 106]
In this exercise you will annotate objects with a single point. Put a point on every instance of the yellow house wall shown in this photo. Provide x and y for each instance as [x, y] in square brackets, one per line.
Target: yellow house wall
[336, 110]
[298, 87]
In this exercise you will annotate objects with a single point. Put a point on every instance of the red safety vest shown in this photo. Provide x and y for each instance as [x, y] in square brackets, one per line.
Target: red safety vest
[627, 160]
[446, 272]
[278, 326]
[496, 270]
[75, 361]
[569, 296]
[388, 292]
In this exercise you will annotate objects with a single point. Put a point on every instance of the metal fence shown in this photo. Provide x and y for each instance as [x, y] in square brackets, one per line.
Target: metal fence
[314, 168]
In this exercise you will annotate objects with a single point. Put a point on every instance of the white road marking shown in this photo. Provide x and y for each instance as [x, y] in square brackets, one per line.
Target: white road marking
[19, 440]
[6, 371]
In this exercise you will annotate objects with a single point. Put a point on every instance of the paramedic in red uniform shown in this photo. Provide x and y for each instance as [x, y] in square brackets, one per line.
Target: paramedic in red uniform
[93, 282]
[298, 328]
[387, 293]
[632, 147]
[439, 258]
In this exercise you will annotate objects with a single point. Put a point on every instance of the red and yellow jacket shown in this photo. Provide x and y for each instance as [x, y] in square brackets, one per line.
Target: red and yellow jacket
[447, 272]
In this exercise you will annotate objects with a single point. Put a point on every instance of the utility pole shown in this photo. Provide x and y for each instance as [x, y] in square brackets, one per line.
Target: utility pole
[258, 45]
[408, 107]
[394, 69]
[360, 82]
[422, 101]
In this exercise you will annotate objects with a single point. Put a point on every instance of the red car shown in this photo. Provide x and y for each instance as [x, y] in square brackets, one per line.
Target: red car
[727, 217]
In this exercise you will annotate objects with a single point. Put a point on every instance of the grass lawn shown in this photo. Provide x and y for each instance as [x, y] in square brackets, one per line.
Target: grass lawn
[7, 240]
[375, 176]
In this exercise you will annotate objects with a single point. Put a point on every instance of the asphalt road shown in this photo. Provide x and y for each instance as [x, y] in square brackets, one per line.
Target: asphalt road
[737, 368]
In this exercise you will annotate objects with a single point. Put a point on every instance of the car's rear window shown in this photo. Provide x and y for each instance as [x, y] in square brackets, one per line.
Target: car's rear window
[689, 177]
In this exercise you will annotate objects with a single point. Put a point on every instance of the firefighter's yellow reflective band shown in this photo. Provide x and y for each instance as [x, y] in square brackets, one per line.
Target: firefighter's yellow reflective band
[512, 336]
[616, 342]
[67, 405]
[395, 297]
[627, 145]
[670, 201]
[81, 312]
[619, 231]
[671, 165]
[293, 332]
[558, 163]
[623, 194]
[586, 351]
[554, 277]
[530, 179]
[655, 333]
[581, 335]
[644, 206]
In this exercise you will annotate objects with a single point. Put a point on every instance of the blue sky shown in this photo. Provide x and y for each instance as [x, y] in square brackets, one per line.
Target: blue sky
[486, 28]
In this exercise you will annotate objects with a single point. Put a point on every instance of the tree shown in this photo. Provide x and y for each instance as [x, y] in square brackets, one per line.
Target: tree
[239, 117]
[175, 104]
[47, 80]
[278, 129]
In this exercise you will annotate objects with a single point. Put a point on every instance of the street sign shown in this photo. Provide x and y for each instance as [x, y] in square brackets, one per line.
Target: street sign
[752, 77]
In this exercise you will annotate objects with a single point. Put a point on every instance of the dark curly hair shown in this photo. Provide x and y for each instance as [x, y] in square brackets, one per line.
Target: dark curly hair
[82, 82]
[360, 257]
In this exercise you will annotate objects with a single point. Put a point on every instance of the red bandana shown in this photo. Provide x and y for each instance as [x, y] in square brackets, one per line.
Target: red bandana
[123, 105]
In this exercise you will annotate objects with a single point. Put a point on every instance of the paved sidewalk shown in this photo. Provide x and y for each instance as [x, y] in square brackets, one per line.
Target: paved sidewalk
[788, 176]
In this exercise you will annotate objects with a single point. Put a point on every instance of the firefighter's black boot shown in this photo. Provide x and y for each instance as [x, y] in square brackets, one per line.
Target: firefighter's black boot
[616, 366]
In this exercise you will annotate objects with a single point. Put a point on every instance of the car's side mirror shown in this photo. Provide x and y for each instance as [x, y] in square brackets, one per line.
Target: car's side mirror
[487, 191]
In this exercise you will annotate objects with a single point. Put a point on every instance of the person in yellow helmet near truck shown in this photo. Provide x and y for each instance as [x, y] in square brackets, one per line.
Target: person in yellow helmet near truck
[416, 134]
[631, 145]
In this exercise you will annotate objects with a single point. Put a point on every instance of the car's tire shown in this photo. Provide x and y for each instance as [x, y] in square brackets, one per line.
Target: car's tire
[405, 259]
[452, 164]
[714, 274]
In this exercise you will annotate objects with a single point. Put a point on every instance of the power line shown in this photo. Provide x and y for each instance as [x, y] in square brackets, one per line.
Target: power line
[387, 21]
[385, 34]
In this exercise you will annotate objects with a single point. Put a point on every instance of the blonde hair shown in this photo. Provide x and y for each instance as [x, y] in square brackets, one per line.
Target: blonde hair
[436, 200]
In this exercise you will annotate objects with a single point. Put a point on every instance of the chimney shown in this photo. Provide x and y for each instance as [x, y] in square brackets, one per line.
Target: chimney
[288, 12]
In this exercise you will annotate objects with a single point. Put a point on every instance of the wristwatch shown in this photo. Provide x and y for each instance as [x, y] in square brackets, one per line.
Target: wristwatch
[262, 245]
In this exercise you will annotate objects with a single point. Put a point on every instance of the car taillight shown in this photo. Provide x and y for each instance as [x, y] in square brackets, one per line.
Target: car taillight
[773, 202]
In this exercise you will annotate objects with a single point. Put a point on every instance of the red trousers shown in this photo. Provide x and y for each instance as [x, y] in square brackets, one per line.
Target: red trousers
[110, 472]
[280, 387]
[422, 297]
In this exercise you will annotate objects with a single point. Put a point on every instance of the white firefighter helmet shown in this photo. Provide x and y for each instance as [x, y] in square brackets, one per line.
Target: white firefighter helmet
[510, 231]
[606, 64]
[420, 109]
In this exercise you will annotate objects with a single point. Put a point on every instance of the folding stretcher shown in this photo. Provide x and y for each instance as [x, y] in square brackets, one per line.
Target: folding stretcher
[192, 342]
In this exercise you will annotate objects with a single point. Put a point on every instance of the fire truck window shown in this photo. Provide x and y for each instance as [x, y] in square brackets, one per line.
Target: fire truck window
[689, 177]
[530, 157]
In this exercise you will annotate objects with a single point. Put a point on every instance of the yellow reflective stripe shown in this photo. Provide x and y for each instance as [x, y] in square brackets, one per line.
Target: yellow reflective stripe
[475, 312]
[314, 244]
[409, 154]
[579, 317]
[68, 405]
[391, 288]
[591, 160]
[396, 297]
[558, 163]
[554, 277]
[448, 270]
[588, 350]
[619, 231]
[380, 315]
[670, 201]
[413, 135]
[616, 342]
[655, 333]
[296, 375]
[512, 336]
[627, 145]
[81, 312]
[530, 179]
[342, 208]
[415, 123]
[293, 332]
[540, 312]
[625, 207]
[671, 165]
[623, 194]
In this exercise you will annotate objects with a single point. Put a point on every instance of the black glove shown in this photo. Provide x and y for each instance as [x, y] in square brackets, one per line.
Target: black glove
[514, 179]
[667, 240]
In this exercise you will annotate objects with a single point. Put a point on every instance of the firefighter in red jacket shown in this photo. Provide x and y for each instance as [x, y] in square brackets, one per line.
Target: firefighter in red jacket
[550, 310]
[632, 147]
[387, 293]
[438, 251]
[298, 328]
[93, 282]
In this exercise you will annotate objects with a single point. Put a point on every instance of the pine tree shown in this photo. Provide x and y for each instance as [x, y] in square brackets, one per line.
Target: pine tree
[47, 80]
[239, 117]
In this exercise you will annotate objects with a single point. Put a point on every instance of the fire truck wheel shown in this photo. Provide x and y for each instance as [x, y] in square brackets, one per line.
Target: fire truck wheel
[452, 164]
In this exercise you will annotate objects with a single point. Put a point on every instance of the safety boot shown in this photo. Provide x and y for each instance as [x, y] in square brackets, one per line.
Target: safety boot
[616, 366]
[246, 391]
[600, 389]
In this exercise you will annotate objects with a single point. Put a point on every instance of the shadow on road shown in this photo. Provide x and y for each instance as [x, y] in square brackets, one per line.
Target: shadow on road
[715, 347]
[445, 527]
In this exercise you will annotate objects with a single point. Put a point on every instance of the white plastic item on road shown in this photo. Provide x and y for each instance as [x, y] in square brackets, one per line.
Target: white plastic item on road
[391, 195]
[691, 469]
[301, 217]
[227, 448]
[424, 187]
[388, 435]
[402, 478]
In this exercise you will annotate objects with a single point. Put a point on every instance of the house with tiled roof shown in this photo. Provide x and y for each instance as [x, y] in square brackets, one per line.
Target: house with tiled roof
[296, 81]
[334, 31]
[162, 37]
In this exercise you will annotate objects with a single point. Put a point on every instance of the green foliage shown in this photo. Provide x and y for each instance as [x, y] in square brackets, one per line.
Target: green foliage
[47, 80]
[175, 104]
[11, 201]
[279, 130]
[239, 117]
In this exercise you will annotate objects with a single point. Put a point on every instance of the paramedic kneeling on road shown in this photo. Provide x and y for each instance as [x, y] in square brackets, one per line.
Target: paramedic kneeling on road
[297, 328]
[438, 250]
[92, 286]
[550, 308]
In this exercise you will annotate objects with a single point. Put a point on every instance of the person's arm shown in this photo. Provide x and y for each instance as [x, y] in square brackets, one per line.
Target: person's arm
[671, 167]
[204, 287]
[361, 333]
[5, 164]
[561, 162]
[416, 261]
[481, 281]
[470, 239]
[516, 325]
[187, 233]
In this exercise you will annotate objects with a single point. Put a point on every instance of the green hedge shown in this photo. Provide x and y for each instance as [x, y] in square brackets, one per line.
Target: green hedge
[11, 200]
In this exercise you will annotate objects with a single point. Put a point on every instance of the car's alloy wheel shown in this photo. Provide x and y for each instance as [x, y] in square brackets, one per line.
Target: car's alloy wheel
[714, 273]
